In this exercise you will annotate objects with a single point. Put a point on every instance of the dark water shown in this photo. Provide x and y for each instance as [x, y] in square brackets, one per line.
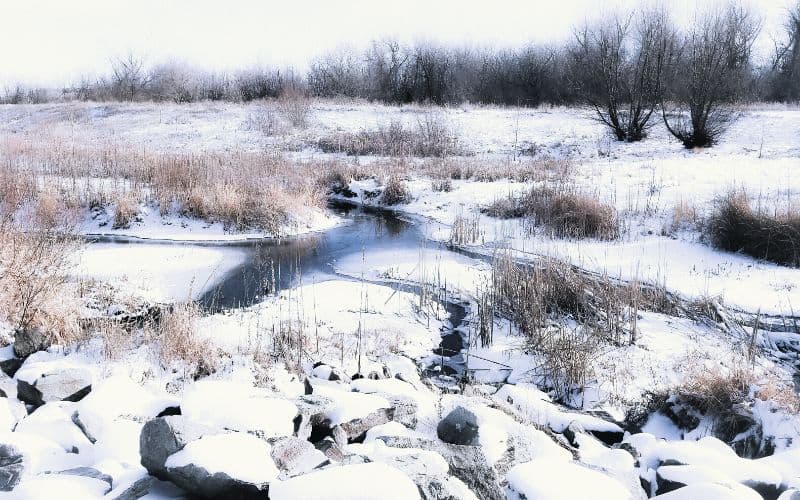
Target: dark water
[275, 265]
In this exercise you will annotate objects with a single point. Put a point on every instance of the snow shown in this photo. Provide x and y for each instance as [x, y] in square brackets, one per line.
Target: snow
[545, 480]
[240, 456]
[158, 272]
[711, 490]
[350, 482]
[238, 406]
[57, 486]
[53, 421]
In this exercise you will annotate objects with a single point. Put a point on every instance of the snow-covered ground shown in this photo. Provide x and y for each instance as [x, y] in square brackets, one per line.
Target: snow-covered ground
[283, 415]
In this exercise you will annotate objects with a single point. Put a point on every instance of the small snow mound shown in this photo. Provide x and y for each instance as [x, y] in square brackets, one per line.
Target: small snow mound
[542, 479]
[350, 482]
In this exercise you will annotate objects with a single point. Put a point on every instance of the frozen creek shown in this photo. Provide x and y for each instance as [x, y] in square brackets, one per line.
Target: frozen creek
[406, 429]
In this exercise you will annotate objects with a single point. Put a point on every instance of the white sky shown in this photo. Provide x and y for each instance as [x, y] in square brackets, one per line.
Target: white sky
[49, 42]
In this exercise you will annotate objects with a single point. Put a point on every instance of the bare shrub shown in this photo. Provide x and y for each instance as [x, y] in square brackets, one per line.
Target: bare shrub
[395, 192]
[294, 107]
[736, 226]
[178, 340]
[264, 119]
[430, 136]
[34, 274]
[565, 213]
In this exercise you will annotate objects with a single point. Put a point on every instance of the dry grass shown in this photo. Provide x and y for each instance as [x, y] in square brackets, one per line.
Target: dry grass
[684, 218]
[126, 209]
[493, 169]
[178, 341]
[295, 107]
[564, 212]
[736, 226]
[430, 136]
[714, 391]
[242, 190]
[565, 315]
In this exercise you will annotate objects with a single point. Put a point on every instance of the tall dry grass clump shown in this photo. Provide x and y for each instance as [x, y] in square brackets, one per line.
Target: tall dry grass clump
[178, 341]
[564, 212]
[736, 226]
[429, 136]
[395, 191]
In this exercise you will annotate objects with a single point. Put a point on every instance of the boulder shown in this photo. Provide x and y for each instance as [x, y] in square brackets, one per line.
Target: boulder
[165, 436]
[30, 340]
[460, 427]
[310, 421]
[232, 465]
[360, 480]
[11, 467]
[330, 449]
[46, 381]
[294, 456]
[467, 463]
[138, 489]
[356, 429]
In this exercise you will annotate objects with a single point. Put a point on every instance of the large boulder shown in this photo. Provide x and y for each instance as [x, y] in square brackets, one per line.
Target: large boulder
[11, 467]
[310, 422]
[232, 465]
[164, 436]
[460, 427]
[467, 463]
[356, 429]
[557, 479]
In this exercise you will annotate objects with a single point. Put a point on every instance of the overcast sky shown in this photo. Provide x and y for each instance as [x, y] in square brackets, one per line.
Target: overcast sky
[48, 42]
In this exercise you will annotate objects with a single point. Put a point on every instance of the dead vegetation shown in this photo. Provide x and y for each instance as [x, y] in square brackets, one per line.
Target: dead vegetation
[736, 226]
[395, 192]
[242, 190]
[566, 316]
[428, 136]
[35, 261]
[564, 212]
[178, 340]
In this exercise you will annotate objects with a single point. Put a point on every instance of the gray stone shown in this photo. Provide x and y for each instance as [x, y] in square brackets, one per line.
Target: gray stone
[356, 429]
[138, 489]
[294, 456]
[467, 463]
[163, 436]
[198, 481]
[11, 467]
[460, 426]
[310, 422]
[30, 340]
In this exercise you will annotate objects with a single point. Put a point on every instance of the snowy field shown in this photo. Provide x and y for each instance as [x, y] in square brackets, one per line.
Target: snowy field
[327, 384]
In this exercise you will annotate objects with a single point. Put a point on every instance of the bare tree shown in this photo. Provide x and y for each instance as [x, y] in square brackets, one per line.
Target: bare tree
[708, 75]
[617, 69]
[129, 77]
[785, 82]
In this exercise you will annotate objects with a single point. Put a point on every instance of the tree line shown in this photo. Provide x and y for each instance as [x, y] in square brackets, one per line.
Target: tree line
[632, 68]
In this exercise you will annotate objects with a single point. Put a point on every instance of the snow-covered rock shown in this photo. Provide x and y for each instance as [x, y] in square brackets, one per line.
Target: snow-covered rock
[164, 436]
[45, 378]
[467, 463]
[239, 406]
[232, 465]
[294, 456]
[712, 490]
